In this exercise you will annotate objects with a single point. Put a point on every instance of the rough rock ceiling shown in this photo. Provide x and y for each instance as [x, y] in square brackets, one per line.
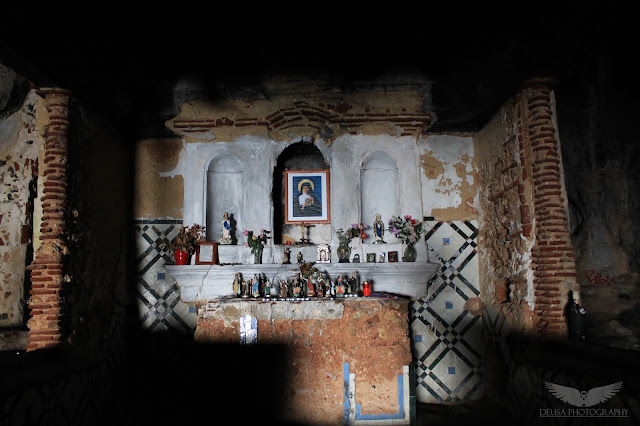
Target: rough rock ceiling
[475, 58]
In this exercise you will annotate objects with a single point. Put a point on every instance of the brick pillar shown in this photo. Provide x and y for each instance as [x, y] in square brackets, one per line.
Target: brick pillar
[45, 302]
[553, 258]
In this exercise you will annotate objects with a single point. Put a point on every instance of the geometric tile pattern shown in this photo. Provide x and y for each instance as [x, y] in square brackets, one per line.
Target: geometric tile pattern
[159, 304]
[447, 340]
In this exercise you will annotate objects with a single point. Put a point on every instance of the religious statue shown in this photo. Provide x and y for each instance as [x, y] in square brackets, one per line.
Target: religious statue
[340, 286]
[286, 256]
[284, 289]
[353, 283]
[300, 259]
[255, 286]
[323, 254]
[237, 284]
[297, 287]
[311, 284]
[226, 230]
[576, 317]
[327, 286]
[246, 288]
[319, 285]
[378, 230]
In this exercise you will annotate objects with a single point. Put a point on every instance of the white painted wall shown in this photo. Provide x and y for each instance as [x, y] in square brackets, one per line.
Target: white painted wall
[405, 191]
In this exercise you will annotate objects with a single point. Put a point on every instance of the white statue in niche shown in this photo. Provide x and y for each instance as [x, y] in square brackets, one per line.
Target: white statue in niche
[226, 229]
[378, 229]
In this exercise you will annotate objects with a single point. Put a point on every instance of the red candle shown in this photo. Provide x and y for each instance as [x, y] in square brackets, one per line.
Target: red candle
[366, 288]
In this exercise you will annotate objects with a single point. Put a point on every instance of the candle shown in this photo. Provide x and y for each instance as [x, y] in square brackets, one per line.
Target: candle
[366, 288]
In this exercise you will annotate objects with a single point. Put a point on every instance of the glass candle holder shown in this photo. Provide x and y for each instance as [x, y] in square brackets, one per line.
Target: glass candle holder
[366, 288]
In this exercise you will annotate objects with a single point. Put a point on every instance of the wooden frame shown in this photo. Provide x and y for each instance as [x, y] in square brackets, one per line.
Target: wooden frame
[393, 256]
[317, 201]
[207, 253]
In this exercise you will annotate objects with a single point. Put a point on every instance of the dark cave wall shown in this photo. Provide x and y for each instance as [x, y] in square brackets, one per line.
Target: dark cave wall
[597, 115]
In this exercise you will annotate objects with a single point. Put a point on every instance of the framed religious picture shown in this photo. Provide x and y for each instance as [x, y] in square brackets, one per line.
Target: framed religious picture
[392, 256]
[207, 253]
[306, 196]
[371, 257]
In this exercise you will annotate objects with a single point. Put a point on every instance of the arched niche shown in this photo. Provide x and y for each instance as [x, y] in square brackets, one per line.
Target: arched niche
[297, 156]
[225, 190]
[379, 191]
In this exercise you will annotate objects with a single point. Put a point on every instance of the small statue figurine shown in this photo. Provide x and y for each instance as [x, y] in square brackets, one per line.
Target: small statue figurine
[353, 283]
[284, 289]
[300, 260]
[246, 288]
[296, 286]
[576, 317]
[255, 286]
[265, 285]
[378, 230]
[328, 285]
[286, 256]
[237, 284]
[340, 286]
[319, 285]
[226, 230]
[311, 285]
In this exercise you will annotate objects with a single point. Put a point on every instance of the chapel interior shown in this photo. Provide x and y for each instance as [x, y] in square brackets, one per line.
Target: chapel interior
[507, 136]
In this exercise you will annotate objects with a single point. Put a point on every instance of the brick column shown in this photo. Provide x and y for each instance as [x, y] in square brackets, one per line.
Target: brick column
[553, 258]
[45, 301]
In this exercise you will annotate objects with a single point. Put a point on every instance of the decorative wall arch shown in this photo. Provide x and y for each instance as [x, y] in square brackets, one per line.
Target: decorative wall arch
[225, 189]
[379, 190]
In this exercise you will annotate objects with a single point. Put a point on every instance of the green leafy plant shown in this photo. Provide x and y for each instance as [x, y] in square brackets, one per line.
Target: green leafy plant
[256, 242]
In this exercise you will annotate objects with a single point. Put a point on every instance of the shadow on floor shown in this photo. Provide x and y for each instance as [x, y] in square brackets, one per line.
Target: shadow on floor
[476, 412]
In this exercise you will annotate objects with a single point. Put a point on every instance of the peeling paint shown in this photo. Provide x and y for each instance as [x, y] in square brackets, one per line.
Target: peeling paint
[448, 177]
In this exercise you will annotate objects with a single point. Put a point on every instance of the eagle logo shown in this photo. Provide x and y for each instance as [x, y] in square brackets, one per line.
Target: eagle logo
[583, 398]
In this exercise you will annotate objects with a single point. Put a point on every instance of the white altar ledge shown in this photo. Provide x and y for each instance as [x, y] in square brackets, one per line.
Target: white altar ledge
[200, 283]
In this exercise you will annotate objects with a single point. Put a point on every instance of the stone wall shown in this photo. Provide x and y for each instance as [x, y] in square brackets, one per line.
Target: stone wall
[322, 340]
[528, 261]
[21, 142]
[601, 151]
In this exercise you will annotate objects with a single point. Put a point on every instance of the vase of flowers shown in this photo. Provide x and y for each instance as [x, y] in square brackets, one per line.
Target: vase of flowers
[408, 230]
[186, 242]
[345, 237]
[256, 242]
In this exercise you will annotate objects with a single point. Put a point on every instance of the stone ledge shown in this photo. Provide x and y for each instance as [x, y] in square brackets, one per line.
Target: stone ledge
[200, 283]
[230, 309]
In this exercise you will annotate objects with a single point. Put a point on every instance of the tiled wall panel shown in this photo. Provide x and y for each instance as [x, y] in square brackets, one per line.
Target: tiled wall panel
[159, 305]
[447, 339]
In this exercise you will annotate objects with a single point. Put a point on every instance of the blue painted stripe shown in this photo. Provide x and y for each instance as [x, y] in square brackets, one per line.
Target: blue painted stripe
[345, 376]
[398, 415]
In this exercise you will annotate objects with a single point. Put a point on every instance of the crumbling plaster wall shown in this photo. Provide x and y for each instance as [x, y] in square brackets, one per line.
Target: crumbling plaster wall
[505, 252]
[21, 143]
[449, 177]
[441, 182]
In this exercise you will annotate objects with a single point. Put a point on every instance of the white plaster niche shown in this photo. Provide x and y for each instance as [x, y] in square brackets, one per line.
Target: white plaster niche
[225, 188]
[379, 194]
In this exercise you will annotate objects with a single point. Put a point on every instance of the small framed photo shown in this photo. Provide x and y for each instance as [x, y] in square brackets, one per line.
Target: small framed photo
[207, 253]
[306, 196]
[371, 257]
[392, 256]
